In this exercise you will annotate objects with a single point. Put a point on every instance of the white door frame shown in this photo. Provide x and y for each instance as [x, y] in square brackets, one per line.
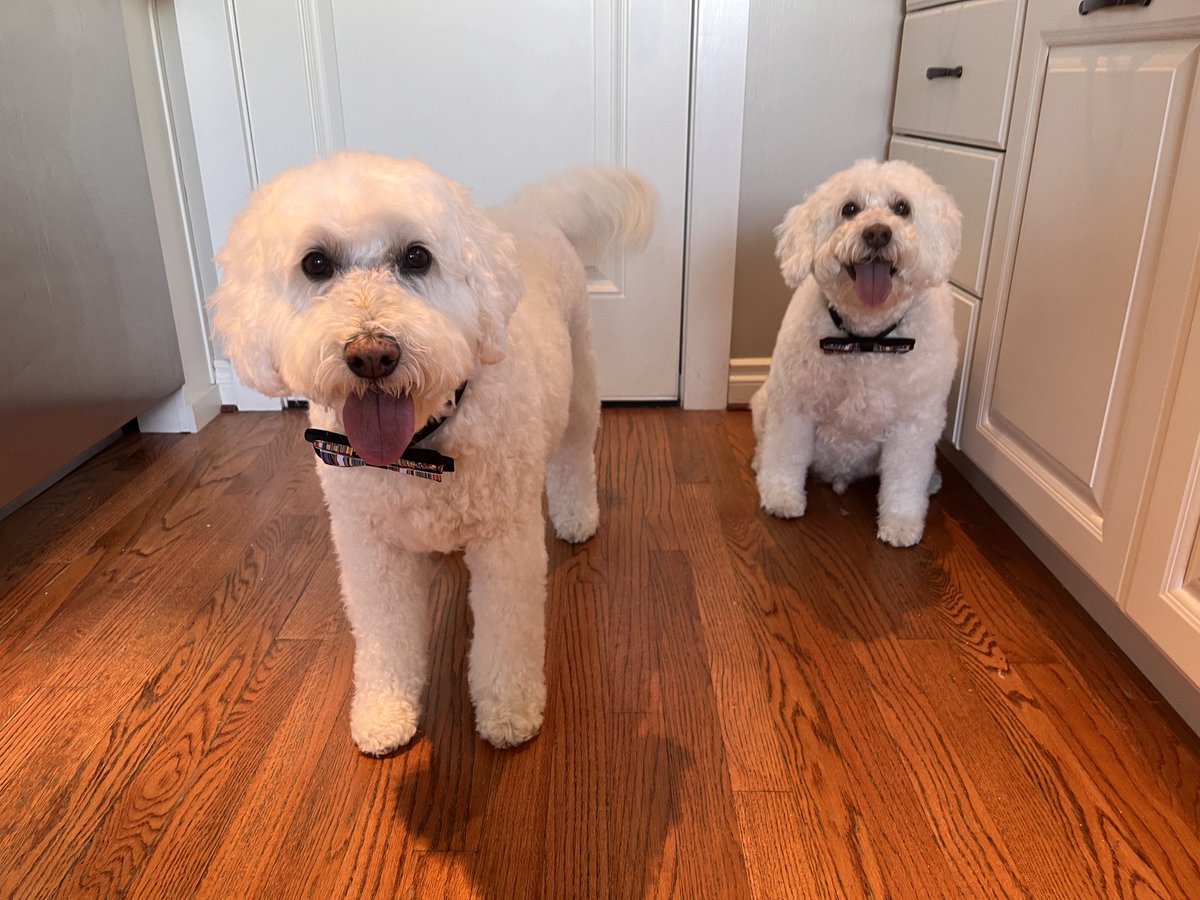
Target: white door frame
[219, 138]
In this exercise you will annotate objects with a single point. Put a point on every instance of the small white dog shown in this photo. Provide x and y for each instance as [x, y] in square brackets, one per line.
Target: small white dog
[376, 289]
[866, 352]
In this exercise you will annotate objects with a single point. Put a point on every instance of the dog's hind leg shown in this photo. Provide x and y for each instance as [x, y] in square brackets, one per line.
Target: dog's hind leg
[571, 477]
[935, 482]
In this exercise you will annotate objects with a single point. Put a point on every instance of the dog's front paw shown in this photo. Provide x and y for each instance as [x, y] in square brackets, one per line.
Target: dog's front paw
[577, 526]
[782, 497]
[383, 722]
[508, 718]
[901, 531]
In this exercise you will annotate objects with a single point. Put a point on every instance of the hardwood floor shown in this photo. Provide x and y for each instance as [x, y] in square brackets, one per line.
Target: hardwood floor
[739, 706]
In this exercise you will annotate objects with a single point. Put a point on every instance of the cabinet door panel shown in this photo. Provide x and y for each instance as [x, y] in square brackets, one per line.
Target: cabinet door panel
[1082, 314]
[1164, 590]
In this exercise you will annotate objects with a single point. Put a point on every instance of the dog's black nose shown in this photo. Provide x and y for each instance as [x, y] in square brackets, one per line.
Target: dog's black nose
[876, 236]
[372, 357]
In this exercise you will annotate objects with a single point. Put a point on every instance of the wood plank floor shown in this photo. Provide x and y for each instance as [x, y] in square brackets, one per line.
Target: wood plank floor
[739, 706]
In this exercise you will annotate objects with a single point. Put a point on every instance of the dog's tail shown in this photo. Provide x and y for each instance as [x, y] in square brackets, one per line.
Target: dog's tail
[596, 205]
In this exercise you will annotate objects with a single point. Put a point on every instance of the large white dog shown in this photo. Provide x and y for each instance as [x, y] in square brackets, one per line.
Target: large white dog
[866, 353]
[376, 289]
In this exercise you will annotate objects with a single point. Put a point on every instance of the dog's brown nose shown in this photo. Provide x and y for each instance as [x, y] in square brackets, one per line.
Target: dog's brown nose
[876, 236]
[372, 357]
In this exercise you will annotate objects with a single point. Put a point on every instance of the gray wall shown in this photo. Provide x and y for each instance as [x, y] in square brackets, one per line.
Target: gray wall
[87, 340]
[819, 81]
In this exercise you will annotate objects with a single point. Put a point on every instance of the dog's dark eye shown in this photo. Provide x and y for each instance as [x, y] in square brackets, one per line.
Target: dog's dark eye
[902, 209]
[317, 265]
[850, 210]
[416, 260]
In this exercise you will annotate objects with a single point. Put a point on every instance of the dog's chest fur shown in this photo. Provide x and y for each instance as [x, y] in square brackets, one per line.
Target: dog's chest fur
[860, 396]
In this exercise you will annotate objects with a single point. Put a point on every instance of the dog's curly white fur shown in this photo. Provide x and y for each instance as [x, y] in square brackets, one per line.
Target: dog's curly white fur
[855, 415]
[502, 305]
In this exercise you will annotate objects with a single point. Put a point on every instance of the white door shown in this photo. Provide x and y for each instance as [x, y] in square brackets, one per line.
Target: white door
[495, 95]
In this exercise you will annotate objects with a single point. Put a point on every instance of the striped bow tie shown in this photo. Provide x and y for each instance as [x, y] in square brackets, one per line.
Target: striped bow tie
[334, 449]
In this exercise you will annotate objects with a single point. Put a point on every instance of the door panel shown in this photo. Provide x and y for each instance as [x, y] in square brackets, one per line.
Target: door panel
[497, 96]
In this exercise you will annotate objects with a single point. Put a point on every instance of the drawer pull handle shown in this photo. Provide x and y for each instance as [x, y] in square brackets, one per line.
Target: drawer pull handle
[1087, 6]
[936, 72]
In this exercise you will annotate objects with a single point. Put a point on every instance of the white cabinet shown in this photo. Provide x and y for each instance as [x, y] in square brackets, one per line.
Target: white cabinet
[1082, 397]
[981, 36]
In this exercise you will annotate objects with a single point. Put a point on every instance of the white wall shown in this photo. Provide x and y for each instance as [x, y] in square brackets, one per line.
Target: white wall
[819, 85]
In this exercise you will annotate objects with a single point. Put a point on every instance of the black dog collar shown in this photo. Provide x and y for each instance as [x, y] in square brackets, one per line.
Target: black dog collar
[857, 343]
[334, 449]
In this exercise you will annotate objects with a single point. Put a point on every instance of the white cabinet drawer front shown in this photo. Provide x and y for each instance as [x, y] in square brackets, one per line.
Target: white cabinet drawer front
[966, 321]
[972, 176]
[982, 37]
[1088, 284]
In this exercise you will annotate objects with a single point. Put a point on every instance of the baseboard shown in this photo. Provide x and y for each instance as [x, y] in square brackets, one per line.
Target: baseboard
[237, 395]
[184, 412]
[1175, 687]
[746, 376]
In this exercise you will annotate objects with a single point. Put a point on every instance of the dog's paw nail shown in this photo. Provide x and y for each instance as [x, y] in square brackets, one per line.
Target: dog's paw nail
[382, 723]
[901, 531]
[509, 722]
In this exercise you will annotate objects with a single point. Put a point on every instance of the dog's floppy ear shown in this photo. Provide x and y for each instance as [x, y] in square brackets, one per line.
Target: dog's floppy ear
[940, 221]
[797, 242]
[491, 260]
[240, 310]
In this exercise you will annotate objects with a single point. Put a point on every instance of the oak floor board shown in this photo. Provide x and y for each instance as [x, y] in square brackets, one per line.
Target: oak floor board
[243, 624]
[698, 764]
[170, 857]
[738, 706]
[287, 789]
[742, 668]
[778, 862]
[209, 665]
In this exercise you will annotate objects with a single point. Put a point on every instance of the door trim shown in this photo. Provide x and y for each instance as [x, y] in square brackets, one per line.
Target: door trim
[719, 35]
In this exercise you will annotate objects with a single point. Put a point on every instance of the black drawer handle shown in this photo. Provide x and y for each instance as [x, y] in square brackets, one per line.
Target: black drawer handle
[1087, 6]
[936, 72]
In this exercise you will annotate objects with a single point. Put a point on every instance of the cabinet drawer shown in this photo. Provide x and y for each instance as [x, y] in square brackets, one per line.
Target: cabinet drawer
[979, 35]
[966, 320]
[972, 177]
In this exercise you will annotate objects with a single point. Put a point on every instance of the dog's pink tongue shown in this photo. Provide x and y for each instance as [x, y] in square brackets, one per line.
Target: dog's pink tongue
[873, 282]
[379, 426]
